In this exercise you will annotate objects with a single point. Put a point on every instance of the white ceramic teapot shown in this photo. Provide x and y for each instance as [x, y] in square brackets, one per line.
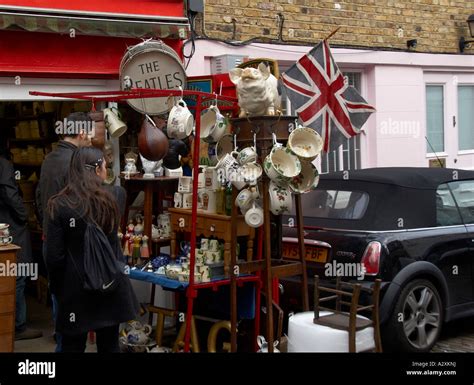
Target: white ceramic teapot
[263, 345]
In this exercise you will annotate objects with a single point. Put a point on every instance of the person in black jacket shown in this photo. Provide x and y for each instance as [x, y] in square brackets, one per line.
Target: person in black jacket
[84, 199]
[54, 175]
[13, 212]
[55, 167]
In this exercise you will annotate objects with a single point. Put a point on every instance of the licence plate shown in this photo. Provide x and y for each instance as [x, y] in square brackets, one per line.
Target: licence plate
[313, 253]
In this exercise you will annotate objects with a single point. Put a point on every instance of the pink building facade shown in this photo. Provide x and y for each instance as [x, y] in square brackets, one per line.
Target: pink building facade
[424, 102]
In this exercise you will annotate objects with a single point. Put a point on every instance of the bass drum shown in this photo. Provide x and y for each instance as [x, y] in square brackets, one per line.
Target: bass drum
[154, 65]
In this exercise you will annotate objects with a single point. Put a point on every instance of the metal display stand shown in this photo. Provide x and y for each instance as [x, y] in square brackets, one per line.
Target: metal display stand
[243, 128]
[264, 129]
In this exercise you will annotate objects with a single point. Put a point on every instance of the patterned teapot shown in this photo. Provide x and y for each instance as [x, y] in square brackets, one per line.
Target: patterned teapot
[138, 334]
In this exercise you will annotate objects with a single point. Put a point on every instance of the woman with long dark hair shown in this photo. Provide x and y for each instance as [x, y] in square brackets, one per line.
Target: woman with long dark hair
[85, 200]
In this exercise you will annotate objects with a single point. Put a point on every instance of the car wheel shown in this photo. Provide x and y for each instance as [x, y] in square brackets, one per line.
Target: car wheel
[416, 322]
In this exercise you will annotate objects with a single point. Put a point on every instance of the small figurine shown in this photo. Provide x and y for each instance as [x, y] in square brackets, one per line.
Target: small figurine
[126, 248]
[136, 250]
[127, 83]
[144, 250]
[155, 232]
[138, 230]
[130, 243]
[130, 163]
[130, 227]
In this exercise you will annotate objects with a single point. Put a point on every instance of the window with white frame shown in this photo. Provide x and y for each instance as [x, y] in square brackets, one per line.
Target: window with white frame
[466, 117]
[434, 118]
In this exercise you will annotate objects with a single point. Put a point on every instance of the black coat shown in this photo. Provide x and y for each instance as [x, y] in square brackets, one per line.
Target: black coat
[54, 176]
[120, 195]
[13, 211]
[78, 310]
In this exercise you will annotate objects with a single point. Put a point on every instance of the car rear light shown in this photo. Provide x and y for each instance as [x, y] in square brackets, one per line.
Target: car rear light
[371, 258]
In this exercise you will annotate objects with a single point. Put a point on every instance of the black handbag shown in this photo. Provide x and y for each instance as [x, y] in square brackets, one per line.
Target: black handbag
[102, 269]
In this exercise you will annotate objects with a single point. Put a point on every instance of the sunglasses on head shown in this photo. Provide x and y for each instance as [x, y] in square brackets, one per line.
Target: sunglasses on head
[94, 164]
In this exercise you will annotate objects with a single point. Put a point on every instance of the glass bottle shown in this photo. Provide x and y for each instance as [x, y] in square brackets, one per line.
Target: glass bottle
[220, 201]
[228, 200]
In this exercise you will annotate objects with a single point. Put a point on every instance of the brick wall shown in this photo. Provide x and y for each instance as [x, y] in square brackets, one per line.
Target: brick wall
[436, 24]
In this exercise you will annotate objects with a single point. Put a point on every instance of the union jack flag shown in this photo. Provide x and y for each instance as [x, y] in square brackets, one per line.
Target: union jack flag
[322, 98]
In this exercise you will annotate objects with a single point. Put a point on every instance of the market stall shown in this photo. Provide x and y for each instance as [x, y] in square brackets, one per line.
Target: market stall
[203, 260]
[132, 241]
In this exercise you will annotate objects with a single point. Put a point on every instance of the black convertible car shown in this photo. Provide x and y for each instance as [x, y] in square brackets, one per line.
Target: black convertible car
[411, 227]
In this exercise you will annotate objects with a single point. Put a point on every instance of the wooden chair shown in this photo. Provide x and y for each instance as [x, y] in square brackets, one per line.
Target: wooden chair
[349, 321]
[278, 316]
[160, 322]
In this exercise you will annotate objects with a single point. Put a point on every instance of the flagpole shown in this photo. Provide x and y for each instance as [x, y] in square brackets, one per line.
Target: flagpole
[332, 33]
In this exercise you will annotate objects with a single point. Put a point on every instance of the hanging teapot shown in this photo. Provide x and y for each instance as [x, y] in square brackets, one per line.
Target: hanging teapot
[152, 142]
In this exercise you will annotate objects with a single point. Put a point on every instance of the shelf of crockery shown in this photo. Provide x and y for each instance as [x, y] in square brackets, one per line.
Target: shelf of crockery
[168, 283]
[211, 225]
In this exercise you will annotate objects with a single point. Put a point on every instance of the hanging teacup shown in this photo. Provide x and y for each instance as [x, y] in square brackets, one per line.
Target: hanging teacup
[281, 164]
[213, 125]
[306, 180]
[305, 143]
[180, 121]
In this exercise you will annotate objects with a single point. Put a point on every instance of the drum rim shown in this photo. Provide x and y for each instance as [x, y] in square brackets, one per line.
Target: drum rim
[147, 47]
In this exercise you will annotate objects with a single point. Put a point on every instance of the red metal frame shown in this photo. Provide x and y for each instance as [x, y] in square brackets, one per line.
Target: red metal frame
[214, 285]
[140, 93]
[119, 96]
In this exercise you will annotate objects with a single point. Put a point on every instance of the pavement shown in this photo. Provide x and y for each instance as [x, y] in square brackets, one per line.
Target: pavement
[40, 317]
[456, 336]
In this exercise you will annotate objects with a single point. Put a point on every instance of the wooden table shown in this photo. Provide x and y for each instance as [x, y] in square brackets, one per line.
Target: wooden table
[163, 186]
[7, 299]
[211, 225]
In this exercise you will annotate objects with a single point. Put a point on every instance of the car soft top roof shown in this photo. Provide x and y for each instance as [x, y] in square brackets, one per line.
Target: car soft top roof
[410, 177]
